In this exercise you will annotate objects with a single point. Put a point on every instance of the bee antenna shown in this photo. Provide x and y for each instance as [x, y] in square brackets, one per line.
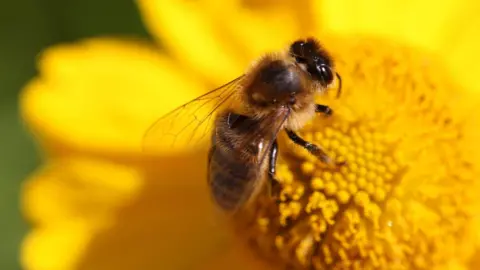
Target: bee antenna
[339, 90]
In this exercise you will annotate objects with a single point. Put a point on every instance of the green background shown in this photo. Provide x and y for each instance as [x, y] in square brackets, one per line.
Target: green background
[27, 27]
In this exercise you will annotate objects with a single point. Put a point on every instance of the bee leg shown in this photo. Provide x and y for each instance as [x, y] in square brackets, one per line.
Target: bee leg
[312, 148]
[272, 166]
[319, 108]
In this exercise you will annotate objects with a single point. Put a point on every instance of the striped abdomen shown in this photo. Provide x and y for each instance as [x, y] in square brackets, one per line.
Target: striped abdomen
[233, 174]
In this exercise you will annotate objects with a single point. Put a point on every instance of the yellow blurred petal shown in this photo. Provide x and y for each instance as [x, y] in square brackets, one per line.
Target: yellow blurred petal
[80, 188]
[462, 53]
[419, 23]
[103, 94]
[193, 38]
[367, 16]
[237, 257]
[337, 16]
[56, 248]
[264, 26]
[426, 22]
[116, 218]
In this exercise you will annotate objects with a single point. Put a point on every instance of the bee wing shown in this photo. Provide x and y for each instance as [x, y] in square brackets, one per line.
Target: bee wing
[266, 133]
[191, 122]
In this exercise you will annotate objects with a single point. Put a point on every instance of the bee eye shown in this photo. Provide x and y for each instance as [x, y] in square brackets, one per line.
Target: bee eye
[325, 73]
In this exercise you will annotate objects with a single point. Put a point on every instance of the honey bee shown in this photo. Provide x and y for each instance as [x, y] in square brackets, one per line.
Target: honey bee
[276, 93]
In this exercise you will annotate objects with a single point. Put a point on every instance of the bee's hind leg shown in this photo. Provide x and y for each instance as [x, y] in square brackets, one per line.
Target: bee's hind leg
[312, 148]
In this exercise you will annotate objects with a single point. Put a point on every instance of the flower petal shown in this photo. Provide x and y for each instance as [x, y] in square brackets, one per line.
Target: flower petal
[462, 51]
[57, 247]
[103, 94]
[420, 23]
[116, 218]
[428, 21]
[262, 27]
[337, 16]
[237, 257]
[78, 188]
[193, 37]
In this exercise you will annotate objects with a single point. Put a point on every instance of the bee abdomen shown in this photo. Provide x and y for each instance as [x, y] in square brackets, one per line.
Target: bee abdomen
[229, 177]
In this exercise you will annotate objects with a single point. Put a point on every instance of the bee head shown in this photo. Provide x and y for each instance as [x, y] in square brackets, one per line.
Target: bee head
[313, 59]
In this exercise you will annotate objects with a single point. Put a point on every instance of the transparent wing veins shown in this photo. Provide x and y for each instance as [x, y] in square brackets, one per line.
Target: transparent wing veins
[191, 121]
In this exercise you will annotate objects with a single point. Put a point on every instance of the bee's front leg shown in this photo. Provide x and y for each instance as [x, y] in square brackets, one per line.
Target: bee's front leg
[272, 166]
[323, 109]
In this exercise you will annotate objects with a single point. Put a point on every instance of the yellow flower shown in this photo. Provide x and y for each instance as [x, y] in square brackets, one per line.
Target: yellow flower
[405, 125]
[407, 198]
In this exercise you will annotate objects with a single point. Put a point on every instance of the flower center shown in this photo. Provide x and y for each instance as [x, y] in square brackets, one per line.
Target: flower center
[406, 196]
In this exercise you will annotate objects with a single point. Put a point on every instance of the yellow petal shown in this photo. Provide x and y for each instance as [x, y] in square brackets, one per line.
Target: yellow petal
[193, 38]
[100, 214]
[262, 27]
[103, 94]
[419, 23]
[83, 188]
[337, 16]
[462, 52]
[426, 23]
[236, 257]
[57, 247]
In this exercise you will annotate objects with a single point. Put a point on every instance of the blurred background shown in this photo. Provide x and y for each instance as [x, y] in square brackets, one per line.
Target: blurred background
[26, 28]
